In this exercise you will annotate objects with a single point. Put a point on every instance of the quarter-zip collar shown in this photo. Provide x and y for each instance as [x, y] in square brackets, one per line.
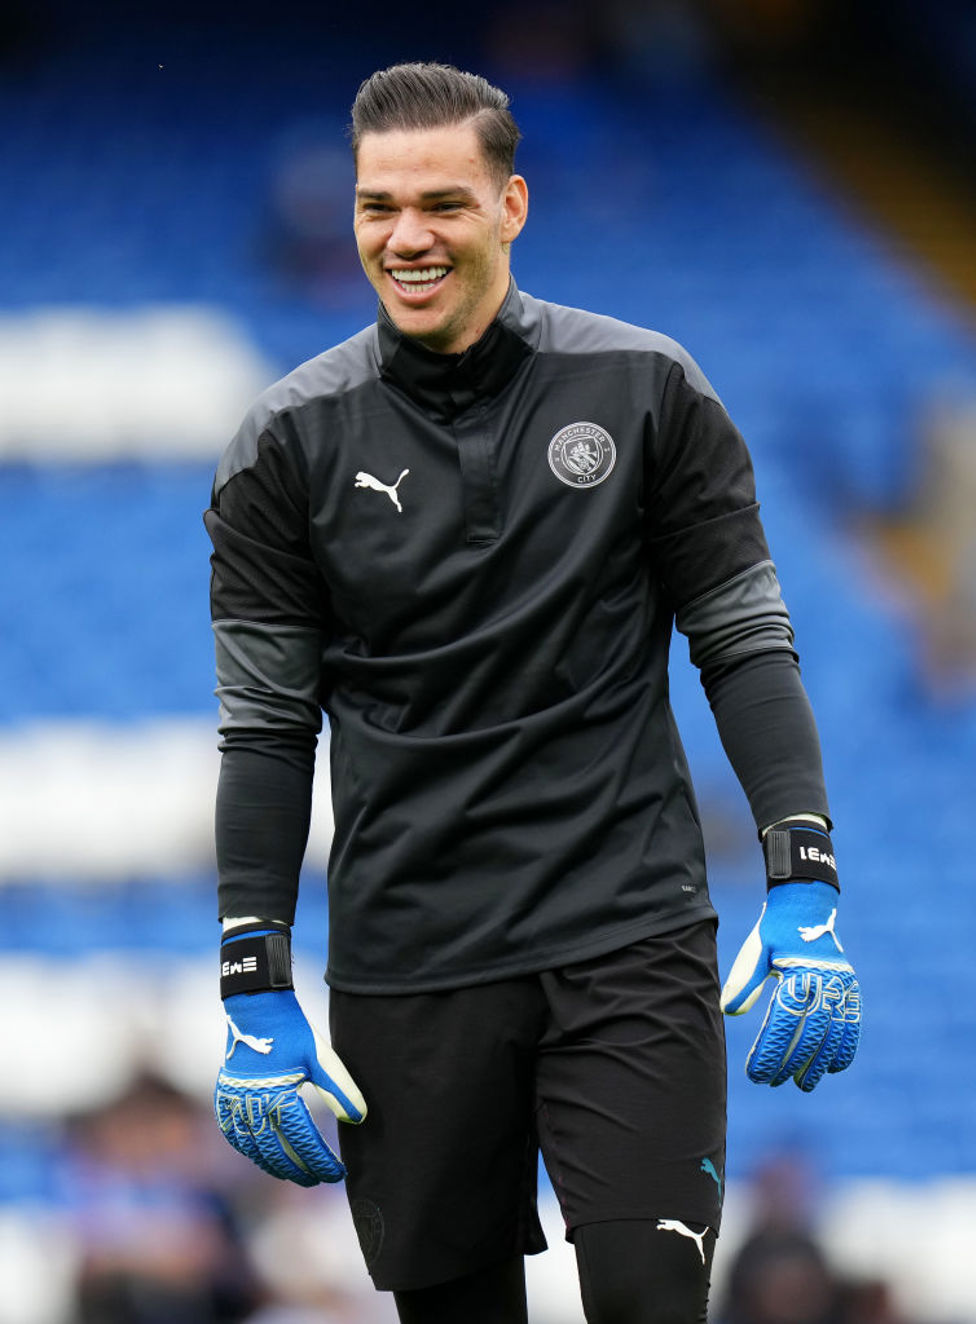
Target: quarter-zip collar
[449, 384]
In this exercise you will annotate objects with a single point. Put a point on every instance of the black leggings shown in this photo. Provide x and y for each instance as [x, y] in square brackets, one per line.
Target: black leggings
[495, 1295]
[631, 1272]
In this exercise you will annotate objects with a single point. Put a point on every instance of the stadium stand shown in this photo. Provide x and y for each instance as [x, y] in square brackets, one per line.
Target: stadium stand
[132, 190]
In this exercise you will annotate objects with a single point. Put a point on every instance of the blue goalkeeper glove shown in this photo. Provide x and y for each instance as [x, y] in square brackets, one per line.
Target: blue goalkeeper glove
[271, 1052]
[813, 1020]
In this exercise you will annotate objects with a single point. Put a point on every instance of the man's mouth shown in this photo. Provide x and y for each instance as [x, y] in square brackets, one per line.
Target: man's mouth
[417, 281]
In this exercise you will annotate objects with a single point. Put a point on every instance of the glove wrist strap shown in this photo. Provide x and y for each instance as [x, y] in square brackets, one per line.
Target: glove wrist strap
[256, 959]
[798, 853]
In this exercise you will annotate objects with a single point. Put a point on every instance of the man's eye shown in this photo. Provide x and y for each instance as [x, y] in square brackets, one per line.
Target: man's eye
[447, 206]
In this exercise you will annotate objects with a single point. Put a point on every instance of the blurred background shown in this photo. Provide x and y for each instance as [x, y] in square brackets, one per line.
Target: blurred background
[785, 186]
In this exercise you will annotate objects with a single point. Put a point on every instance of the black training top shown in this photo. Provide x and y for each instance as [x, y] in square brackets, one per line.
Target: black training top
[472, 563]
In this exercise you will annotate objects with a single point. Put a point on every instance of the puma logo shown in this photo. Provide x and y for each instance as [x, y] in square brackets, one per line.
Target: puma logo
[673, 1225]
[811, 932]
[708, 1167]
[259, 1045]
[367, 480]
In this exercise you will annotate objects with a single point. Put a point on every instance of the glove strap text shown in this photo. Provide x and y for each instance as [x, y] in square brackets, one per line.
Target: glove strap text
[255, 959]
[798, 853]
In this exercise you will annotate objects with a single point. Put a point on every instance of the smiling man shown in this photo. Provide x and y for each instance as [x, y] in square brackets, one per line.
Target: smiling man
[435, 218]
[466, 535]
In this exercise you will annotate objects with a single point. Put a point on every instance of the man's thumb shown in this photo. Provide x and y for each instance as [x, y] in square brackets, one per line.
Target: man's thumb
[749, 972]
[334, 1083]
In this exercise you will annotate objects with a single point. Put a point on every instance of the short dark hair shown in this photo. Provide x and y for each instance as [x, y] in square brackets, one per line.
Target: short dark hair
[427, 96]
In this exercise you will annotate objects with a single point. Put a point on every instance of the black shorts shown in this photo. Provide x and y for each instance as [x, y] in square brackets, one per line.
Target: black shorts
[614, 1067]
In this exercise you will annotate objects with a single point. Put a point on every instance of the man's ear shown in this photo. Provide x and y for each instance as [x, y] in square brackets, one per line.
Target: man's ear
[515, 208]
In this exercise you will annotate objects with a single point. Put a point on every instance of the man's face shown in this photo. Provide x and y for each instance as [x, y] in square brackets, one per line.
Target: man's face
[433, 229]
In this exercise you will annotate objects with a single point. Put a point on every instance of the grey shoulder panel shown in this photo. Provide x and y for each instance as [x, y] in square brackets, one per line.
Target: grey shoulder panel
[574, 331]
[346, 367]
[746, 614]
[267, 676]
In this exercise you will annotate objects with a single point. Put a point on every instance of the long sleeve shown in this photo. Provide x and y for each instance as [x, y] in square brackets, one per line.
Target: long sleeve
[768, 731]
[269, 610]
[713, 560]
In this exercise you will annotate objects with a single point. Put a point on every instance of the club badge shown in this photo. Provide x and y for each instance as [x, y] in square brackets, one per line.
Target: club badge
[582, 455]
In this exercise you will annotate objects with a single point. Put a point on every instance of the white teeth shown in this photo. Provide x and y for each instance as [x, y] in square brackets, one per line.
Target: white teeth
[425, 276]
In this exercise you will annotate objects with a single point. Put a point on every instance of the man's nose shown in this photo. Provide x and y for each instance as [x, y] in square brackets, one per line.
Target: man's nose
[411, 234]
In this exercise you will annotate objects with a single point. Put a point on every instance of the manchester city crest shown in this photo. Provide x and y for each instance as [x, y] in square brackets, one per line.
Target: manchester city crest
[582, 454]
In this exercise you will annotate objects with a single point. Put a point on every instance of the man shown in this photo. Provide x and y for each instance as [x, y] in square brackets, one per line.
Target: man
[465, 534]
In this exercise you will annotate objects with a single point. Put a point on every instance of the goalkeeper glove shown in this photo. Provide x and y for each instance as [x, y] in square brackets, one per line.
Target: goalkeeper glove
[813, 1020]
[271, 1052]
